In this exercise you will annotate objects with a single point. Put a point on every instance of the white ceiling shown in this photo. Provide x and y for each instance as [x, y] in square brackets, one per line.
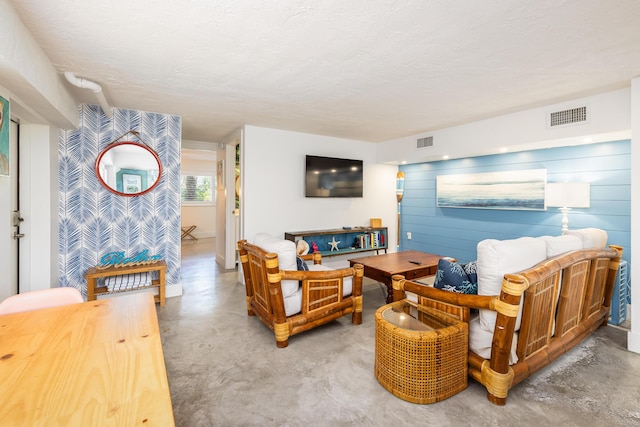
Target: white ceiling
[371, 70]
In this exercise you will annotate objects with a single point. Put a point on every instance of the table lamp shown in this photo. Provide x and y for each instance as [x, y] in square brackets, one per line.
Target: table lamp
[567, 195]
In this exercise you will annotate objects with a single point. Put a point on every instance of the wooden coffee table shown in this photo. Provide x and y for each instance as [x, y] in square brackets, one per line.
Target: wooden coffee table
[411, 264]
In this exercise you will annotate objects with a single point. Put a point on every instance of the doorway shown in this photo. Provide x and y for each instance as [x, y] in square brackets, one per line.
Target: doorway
[9, 191]
[198, 193]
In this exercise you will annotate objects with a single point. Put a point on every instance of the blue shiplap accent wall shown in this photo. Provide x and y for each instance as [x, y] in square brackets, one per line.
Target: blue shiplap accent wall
[94, 221]
[455, 232]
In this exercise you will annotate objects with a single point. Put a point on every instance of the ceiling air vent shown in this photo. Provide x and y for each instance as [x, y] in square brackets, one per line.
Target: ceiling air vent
[566, 117]
[425, 142]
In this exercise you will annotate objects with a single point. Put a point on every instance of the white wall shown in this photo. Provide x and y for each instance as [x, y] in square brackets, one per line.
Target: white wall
[273, 171]
[31, 77]
[609, 120]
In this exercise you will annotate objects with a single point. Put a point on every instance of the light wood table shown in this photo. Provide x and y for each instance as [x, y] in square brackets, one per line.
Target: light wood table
[89, 364]
[411, 264]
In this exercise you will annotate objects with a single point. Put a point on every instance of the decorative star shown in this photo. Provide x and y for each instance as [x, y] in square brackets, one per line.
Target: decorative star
[334, 244]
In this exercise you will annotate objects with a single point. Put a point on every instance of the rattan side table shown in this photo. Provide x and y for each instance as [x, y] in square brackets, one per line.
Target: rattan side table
[421, 353]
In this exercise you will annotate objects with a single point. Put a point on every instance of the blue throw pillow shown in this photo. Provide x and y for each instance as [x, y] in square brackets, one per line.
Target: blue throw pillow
[453, 277]
[302, 265]
[471, 268]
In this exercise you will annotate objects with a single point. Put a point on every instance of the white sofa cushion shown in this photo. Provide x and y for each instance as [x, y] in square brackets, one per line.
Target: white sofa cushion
[480, 341]
[499, 257]
[592, 238]
[557, 245]
[286, 251]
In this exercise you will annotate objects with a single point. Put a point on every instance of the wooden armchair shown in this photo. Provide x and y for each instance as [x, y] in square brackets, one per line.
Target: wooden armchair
[564, 299]
[310, 298]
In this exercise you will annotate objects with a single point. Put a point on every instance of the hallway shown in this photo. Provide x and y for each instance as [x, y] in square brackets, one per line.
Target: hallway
[224, 369]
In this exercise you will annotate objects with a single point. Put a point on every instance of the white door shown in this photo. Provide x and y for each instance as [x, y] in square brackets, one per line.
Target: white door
[8, 203]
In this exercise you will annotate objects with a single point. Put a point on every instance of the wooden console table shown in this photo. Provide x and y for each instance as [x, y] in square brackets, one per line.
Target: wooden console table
[93, 274]
[88, 364]
[368, 239]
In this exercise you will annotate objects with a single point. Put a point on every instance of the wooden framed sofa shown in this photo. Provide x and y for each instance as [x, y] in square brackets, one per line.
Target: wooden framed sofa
[537, 299]
[290, 301]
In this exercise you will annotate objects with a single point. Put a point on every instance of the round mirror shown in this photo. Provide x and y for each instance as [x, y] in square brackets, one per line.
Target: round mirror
[128, 168]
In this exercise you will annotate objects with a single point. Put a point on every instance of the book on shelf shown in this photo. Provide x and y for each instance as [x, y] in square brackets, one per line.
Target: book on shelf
[374, 239]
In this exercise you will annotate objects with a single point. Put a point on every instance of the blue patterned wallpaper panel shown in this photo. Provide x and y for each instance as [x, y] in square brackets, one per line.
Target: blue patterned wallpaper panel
[93, 220]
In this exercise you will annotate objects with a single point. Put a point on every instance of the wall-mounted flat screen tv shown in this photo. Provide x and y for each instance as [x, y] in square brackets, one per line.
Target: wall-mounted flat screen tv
[333, 177]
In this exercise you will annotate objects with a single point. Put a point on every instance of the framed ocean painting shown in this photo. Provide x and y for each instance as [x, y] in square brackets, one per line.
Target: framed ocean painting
[513, 190]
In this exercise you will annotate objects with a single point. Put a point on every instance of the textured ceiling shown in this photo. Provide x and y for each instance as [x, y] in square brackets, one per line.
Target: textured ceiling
[363, 69]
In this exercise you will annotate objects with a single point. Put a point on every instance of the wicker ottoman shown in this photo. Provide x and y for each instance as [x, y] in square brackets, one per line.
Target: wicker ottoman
[421, 353]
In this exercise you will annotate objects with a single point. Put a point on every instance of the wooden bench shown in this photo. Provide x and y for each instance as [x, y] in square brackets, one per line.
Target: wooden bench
[94, 273]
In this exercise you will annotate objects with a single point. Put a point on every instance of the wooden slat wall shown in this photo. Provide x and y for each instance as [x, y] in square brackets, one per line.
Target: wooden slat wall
[455, 232]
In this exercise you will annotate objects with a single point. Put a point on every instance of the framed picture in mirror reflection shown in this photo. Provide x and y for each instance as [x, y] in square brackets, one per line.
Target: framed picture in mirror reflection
[131, 184]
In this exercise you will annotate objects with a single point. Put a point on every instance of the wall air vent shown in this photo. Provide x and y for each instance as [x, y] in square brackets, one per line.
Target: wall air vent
[425, 142]
[567, 117]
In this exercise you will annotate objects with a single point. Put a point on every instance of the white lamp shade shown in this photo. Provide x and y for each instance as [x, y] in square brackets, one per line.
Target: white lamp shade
[568, 194]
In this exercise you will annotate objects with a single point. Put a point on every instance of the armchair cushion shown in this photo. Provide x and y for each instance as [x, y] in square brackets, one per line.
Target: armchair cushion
[286, 251]
[293, 303]
[347, 283]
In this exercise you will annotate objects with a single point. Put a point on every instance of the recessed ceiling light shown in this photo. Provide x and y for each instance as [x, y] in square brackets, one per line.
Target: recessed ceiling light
[404, 162]
[504, 149]
[445, 157]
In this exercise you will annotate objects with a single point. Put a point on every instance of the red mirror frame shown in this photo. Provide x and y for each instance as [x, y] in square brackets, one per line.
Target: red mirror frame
[123, 143]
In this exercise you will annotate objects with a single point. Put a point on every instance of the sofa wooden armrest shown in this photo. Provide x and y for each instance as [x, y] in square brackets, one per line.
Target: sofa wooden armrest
[564, 299]
[322, 295]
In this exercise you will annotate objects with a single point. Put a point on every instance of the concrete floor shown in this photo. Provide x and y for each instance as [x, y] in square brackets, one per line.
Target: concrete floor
[224, 370]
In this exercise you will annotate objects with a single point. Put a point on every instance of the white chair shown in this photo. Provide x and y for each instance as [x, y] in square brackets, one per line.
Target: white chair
[40, 299]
